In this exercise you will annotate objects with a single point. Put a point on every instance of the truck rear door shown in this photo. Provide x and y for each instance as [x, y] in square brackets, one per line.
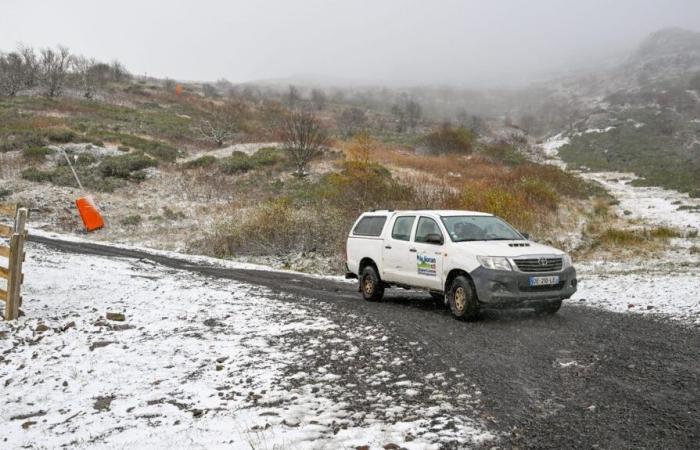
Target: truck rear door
[396, 251]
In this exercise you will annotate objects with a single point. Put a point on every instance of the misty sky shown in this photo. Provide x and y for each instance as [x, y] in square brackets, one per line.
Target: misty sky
[382, 41]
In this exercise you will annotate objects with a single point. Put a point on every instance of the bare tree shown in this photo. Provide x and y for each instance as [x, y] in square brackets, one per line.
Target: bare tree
[318, 99]
[11, 74]
[54, 68]
[169, 85]
[118, 72]
[351, 121]
[223, 123]
[528, 122]
[293, 96]
[305, 138]
[210, 91]
[400, 116]
[88, 74]
[414, 113]
[31, 66]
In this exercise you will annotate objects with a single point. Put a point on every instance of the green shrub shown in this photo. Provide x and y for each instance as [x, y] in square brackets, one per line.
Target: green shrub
[36, 153]
[449, 140]
[21, 141]
[505, 153]
[539, 192]
[202, 161]
[122, 166]
[169, 214]
[4, 193]
[131, 220]
[664, 233]
[62, 136]
[85, 159]
[238, 162]
[267, 156]
[36, 175]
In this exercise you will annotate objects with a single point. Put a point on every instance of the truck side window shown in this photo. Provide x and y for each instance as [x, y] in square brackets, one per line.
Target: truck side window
[402, 228]
[427, 229]
[370, 226]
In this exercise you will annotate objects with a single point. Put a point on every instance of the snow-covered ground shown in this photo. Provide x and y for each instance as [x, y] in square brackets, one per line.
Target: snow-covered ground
[666, 285]
[196, 362]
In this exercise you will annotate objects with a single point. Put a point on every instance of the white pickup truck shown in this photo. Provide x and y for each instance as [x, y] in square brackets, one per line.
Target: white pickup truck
[466, 259]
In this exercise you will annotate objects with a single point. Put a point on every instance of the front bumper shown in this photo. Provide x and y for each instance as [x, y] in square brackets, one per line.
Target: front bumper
[501, 288]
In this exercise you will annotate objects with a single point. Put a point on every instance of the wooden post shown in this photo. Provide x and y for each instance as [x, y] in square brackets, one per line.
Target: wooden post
[14, 282]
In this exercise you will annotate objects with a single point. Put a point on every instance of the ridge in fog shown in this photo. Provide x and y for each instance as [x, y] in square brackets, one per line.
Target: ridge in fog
[393, 42]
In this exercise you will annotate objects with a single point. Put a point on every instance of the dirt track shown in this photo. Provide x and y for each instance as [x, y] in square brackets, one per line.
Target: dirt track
[580, 379]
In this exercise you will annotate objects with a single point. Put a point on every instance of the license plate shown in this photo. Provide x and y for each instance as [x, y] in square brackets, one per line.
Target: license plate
[544, 281]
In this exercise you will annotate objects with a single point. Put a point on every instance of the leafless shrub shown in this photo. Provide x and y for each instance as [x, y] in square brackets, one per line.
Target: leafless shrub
[11, 74]
[223, 122]
[54, 66]
[318, 99]
[352, 121]
[305, 138]
[88, 74]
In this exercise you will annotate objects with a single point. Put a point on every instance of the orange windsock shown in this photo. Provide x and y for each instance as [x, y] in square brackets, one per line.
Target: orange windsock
[92, 219]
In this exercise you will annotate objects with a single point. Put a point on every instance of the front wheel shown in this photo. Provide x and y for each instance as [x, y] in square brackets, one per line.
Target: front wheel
[462, 299]
[370, 285]
[548, 308]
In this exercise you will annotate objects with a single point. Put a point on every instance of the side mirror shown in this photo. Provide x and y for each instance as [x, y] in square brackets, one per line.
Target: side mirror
[434, 238]
[525, 235]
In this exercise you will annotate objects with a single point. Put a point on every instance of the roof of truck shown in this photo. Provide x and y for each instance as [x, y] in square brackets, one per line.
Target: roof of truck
[439, 212]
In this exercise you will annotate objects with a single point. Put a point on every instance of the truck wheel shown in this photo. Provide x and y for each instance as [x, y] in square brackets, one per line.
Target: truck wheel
[462, 299]
[438, 299]
[370, 285]
[548, 307]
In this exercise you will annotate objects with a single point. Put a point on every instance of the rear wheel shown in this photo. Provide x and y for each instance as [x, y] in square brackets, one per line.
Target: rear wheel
[462, 299]
[548, 308]
[370, 285]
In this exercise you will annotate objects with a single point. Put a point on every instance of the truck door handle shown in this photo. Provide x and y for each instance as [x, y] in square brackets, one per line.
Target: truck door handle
[388, 247]
[412, 250]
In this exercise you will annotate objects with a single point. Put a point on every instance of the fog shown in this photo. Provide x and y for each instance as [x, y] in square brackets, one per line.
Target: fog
[464, 43]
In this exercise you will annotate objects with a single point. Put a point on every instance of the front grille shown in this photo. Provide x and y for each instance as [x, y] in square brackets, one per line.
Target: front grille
[539, 264]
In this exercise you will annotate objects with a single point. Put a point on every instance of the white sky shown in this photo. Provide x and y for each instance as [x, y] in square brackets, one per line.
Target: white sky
[381, 41]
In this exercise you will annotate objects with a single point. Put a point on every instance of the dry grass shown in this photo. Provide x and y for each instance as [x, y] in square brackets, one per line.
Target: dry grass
[526, 195]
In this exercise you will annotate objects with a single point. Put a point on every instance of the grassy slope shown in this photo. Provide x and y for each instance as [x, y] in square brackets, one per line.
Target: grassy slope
[665, 150]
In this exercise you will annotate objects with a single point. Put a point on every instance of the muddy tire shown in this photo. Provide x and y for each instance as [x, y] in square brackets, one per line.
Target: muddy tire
[462, 299]
[438, 299]
[548, 308]
[370, 285]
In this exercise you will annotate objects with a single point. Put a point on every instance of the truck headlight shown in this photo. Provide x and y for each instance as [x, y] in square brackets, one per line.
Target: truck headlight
[494, 262]
[566, 261]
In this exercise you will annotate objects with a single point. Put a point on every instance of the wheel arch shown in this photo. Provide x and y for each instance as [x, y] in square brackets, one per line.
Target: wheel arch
[454, 273]
[366, 261]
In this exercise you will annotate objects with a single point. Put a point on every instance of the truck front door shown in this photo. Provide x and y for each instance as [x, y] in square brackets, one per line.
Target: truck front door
[426, 250]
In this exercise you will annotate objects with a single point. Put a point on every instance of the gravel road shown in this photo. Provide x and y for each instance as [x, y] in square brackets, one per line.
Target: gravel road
[583, 378]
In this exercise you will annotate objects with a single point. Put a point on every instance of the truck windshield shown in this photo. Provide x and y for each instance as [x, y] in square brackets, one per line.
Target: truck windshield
[479, 228]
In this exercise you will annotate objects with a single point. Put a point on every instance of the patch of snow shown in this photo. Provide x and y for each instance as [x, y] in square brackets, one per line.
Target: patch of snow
[673, 294]
[653, 205]
[666, 285]
[552, 145]
[249, 148]
[198, 363]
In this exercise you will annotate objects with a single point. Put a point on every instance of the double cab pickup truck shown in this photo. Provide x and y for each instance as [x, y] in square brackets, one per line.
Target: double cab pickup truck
[468, 260]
